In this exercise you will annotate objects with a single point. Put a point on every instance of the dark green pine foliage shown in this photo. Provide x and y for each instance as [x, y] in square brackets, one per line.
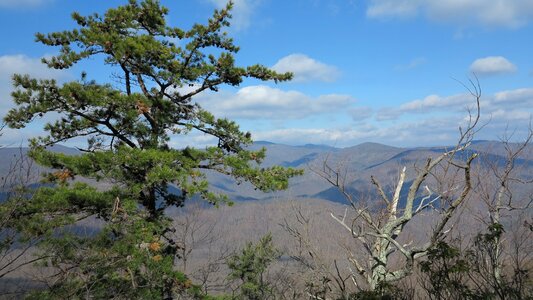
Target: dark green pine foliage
[128, 126]
[250, 266]
[446, 270]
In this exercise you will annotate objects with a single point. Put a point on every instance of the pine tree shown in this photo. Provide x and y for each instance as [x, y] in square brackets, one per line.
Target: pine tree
[250, 266]
[128, 127]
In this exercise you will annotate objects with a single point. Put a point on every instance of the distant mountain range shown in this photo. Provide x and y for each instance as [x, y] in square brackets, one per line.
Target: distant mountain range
[358, 163]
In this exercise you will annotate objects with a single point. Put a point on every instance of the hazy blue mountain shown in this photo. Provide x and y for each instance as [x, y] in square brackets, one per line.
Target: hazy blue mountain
[358, 162]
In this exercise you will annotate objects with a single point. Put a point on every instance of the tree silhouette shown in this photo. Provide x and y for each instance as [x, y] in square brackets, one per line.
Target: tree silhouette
[129, 127]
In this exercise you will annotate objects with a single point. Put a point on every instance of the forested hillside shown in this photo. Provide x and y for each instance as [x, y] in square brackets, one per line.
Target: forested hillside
[138, 181]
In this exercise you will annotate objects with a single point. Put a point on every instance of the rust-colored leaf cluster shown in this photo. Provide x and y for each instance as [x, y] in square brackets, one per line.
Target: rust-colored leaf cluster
[157, 258]
[63, 175]
[142, 108]
[155, 246]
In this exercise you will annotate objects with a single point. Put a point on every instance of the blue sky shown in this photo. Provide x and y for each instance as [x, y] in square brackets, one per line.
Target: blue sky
[387, 71]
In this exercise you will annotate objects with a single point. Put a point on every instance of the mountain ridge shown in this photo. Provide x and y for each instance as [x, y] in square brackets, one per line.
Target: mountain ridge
[360, 162]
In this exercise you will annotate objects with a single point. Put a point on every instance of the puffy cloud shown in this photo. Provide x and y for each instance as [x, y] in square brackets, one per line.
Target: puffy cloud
[495, 13]
[300, 136]
[264, 102]
[510, 106]
[241, 13]
[18, 137]
[426, 130]
[510, 115]
[434, 131]
[521, 96]
[397, 8]
[22, 64]
[306, 68]
[427, 104]
[434, 101]
[492, 65]
[503, 101]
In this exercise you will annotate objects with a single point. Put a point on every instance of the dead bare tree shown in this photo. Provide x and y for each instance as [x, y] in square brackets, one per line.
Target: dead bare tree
[201, 249]
[13, 185]
[323, 279]
[506, 191]
[192, 230]
[15, 247]
[380, 232]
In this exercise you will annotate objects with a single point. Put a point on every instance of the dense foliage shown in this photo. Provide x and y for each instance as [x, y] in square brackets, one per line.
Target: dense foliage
[129, 127]
[114, 238]
[250, 266]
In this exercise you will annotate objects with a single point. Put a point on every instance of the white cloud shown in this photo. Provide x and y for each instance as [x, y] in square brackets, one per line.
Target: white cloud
[242, 11]
[494, 13]
[492, 65]
[193, 139]
[510, 115]
[300, 136]
[509, 103]
[434, 101]
[22, 3]
[21, 64]
[432, 120]
[511, 106]
[429, 103]
[425, 130]
[434, 131]
[264, 102]
[18, 137]
[306, 68]
[397, 8]
[515, 96]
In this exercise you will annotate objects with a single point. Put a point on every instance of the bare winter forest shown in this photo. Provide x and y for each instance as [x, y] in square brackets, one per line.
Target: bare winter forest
[328, 247]
[126, 214]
